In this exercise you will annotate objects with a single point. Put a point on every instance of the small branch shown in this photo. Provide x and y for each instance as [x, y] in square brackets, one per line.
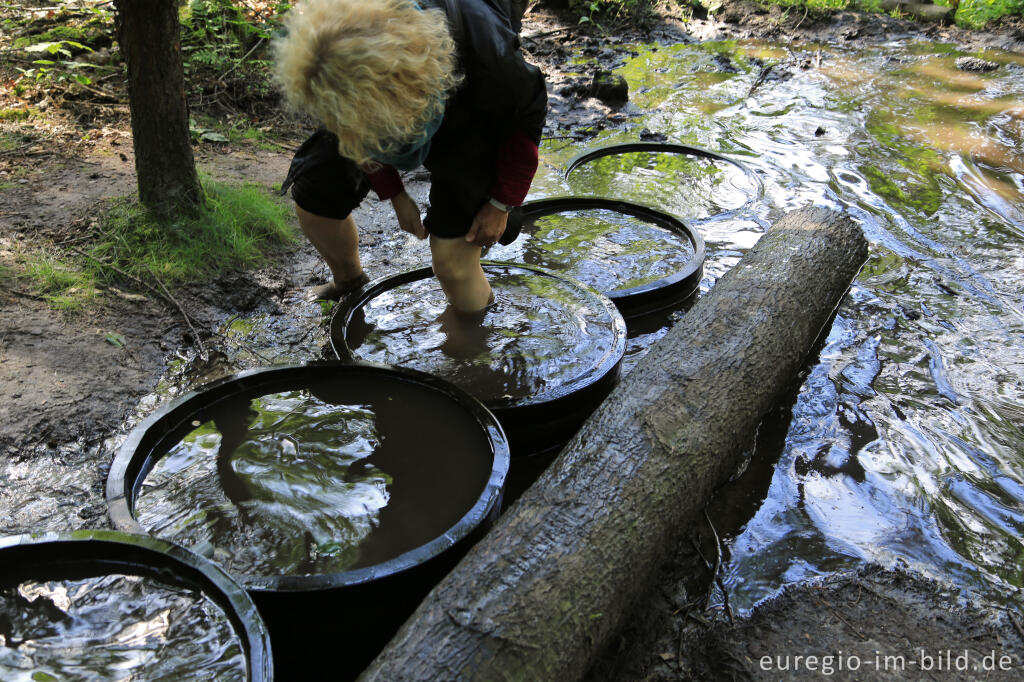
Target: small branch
[164, 294]
[97, 91]
[840, 617]
[806, 7]
[545, 34]
[718, 569]
[1016, 625]
[188, 320]
[24, 294]
[244, 57]
[243, 346]
[765, 70]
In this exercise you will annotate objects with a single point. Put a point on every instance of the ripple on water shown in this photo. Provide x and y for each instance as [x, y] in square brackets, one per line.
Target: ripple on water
[607, 250]
[905, 440]
[114, 627]
[319, 479]
[542, 338]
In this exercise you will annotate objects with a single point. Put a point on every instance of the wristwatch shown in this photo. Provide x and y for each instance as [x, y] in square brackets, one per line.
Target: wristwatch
[504, 208]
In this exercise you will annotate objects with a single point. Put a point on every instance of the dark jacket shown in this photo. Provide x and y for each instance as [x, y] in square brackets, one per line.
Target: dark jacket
[500, 93]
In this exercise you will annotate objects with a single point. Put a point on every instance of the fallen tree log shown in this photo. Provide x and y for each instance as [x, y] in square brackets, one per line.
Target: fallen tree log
[550, 583]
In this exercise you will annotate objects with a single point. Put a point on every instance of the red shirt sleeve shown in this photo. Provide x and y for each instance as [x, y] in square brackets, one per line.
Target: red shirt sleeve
[385, 180]
[517, 164]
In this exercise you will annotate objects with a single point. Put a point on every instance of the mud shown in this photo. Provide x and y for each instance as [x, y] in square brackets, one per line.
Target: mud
[70, 391]
[874, 623]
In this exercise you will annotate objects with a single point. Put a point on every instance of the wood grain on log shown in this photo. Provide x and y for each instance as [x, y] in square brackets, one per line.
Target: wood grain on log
[550, 584]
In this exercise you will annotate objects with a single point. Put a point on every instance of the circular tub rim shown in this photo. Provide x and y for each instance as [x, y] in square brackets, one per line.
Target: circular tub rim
[673, 148]
[654, 295]
[123, 484]
[152, 557]
[345, 308]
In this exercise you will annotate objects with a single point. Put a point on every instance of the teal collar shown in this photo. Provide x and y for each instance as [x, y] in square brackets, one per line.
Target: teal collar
[413, 154]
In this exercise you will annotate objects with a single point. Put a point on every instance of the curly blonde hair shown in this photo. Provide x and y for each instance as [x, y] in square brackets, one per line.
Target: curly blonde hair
[374, 72]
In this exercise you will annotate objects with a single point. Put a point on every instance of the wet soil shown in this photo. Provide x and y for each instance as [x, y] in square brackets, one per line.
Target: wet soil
[68, 390]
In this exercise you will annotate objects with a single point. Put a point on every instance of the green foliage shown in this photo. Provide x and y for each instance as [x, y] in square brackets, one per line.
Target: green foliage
[597, 12]
[977, 13]
[222, 45]
[969, 13]
[80, 37]
[238, 227]
[59, 42]
[219, 33]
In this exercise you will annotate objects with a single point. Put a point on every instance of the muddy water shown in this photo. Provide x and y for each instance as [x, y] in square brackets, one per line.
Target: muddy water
[904, 444]
[114, 627]
[318, 479]
[541, 338]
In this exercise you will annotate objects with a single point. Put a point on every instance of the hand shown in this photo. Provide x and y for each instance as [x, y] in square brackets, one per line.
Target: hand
[408, 214]
[488, 226]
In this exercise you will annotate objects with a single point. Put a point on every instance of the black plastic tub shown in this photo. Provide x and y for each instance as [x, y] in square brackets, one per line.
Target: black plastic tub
[756, 185]
[535, 420]
[86, 554]
[327, 623]
[668, 289]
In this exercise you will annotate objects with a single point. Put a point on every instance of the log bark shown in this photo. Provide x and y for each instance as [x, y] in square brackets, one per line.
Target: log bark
[550, 584]
[149, 34]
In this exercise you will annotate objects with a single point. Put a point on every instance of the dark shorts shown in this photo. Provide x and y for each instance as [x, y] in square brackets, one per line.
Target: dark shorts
[326, 184]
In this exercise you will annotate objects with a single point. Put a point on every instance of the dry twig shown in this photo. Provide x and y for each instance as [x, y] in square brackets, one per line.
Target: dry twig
[164, 294]
[718, 569]
[188, 320]
[1016, 625]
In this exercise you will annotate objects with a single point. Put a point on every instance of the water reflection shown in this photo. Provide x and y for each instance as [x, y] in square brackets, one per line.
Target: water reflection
[607, 250]
[540, 338]
[905, 439]
[114, 627]
[319, 479]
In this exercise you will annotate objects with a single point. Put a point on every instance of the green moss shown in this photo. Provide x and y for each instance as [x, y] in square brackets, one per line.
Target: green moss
[18, 114]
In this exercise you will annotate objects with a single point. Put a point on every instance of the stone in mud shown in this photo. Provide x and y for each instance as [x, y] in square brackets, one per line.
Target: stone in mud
[610, 88]
[975, 64]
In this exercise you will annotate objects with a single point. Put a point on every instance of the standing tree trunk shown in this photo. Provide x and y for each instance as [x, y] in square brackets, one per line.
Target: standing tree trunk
[149, 33]
[550, 584]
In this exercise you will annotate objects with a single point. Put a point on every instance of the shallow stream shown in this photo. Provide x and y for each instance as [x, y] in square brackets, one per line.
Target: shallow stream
[905, 443]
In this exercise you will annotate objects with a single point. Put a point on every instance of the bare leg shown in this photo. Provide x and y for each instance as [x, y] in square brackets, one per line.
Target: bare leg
[457, 266]
[337, 241]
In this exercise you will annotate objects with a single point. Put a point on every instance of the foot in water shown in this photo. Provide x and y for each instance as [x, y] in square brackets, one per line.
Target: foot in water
[332, 291]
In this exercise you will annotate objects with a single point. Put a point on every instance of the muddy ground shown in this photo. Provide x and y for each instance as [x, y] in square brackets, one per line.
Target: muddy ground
[70, 393]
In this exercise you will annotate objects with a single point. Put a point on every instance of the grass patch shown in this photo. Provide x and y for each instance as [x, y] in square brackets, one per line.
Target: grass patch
[62, 284]
[239, 227]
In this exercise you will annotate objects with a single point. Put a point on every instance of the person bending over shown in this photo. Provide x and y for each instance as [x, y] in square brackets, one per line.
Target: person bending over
[396, 85]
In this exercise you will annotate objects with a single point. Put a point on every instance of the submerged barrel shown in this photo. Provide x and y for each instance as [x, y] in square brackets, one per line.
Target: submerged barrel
[643, 259]
[338, 495]
[541, 357]
[686, 180]
[96, 604]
